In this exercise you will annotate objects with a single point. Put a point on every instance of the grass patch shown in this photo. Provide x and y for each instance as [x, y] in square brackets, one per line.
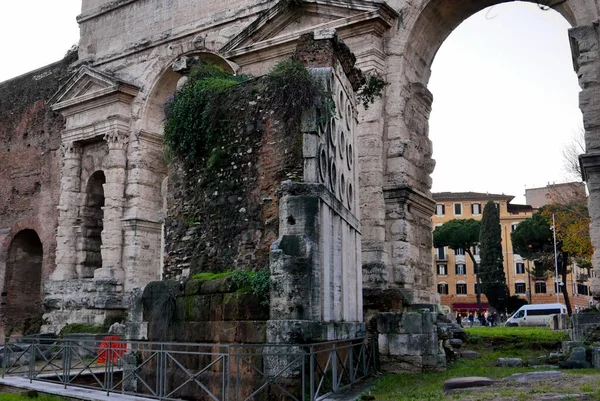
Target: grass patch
[207, 276]
[528, 337]
[491, 344]
[29, 395]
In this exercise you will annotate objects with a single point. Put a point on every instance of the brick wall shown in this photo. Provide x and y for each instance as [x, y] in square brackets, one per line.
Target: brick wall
[30, 171]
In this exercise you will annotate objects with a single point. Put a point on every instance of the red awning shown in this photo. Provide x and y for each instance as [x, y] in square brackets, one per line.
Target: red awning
[467, 306]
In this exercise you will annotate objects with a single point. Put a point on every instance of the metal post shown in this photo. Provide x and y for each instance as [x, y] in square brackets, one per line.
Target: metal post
[31, 362]
[334, 368]
[66, 351]
[351, 363]
[312, 373]
[555, 261]
[107, 358]
[227, 376]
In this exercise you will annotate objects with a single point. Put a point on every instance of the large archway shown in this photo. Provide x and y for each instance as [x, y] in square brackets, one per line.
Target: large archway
[22, 294]
[401, 257]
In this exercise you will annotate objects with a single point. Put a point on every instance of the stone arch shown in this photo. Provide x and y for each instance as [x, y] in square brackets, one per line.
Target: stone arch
[166, 85]
[439, 18]
[403, 260]
[92, 224]
[22, 290]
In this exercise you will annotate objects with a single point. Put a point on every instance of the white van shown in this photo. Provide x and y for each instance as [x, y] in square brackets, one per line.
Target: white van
[535, 315]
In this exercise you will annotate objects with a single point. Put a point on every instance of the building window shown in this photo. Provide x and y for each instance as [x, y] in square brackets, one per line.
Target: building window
[477, 287]
[461, 288]
[583, 289]
[441, 253]
[461, 269]
[476, 209]
[520, 268]
[442, 288]
[513, 226]
[540, 287]
[520, 288]
[475, 250]
[440, 210]
[459, 251]
[442, 270]
[458, 209]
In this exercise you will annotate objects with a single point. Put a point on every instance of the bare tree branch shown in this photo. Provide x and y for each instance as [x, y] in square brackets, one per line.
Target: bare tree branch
[571, 152]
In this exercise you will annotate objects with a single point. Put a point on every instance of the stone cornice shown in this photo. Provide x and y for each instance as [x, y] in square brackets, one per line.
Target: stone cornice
[137, 224]
[374, 17]
[589, 163]
[149, 137]
[405, 194]
[96, 130]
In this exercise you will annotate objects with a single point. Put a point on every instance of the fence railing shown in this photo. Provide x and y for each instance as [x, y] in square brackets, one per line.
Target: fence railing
[170, 371]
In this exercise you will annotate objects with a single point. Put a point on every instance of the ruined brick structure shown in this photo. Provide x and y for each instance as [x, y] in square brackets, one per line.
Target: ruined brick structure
[109, 179]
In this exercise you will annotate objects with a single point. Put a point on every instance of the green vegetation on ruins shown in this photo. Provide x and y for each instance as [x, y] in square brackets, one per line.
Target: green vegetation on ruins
[491, 343]
[199, 119]
[207, 276]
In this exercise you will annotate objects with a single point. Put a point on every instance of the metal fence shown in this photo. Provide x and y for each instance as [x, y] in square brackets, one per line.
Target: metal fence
[169, 371]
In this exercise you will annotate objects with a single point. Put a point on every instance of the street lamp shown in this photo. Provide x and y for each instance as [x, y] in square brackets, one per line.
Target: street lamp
[555, 260]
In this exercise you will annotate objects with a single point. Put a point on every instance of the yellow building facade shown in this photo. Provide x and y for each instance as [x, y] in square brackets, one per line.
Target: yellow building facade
[455, 275]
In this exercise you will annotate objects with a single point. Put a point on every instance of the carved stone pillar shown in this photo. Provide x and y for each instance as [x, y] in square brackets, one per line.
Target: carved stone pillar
[585, 47]
[68, 220]
[115, 165]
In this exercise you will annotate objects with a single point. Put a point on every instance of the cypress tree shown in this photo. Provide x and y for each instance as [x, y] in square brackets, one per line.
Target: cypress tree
[491, 266]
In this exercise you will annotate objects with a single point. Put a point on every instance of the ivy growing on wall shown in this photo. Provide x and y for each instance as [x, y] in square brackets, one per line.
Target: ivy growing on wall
[199, 120]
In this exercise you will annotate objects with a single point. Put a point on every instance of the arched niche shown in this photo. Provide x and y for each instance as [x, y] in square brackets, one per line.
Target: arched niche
[92, 224]
[153, 114]
[22, 294]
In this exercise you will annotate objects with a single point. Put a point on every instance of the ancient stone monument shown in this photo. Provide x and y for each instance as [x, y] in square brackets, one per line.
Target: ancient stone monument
[89, 193]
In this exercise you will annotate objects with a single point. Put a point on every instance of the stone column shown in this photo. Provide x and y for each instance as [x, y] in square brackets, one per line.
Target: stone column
[115, 164]
[68, 220]
[585, 47]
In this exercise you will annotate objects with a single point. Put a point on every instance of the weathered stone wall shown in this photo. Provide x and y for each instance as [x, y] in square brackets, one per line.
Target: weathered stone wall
[408, 342]
[206, 312]
[30, 175]
[224, 216]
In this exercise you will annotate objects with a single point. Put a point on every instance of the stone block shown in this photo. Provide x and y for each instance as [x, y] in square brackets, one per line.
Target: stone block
[244, 306]
[223, 332]
[216, 307]
[251, 332]
[595, 351]
[509, 362]
[567, 346]
[408, 344]
[467, 382]
[196, 307]
[411, 323]
[383, 344]
[388, 322]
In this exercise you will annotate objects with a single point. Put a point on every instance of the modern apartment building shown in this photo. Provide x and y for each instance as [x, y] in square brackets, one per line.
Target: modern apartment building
[456, 280]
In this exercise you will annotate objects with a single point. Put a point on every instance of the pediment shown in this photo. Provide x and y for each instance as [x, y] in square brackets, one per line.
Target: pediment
[283, 23]
[88, 84]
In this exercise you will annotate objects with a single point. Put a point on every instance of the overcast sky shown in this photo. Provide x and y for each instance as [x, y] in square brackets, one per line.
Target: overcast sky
[505, 94]
[505, 102]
